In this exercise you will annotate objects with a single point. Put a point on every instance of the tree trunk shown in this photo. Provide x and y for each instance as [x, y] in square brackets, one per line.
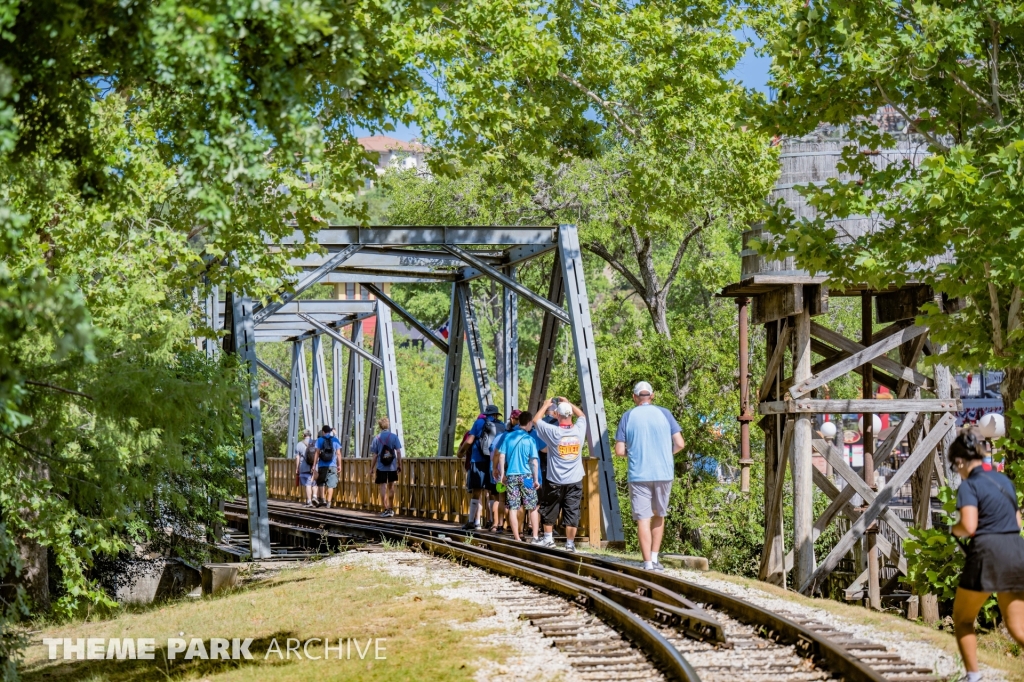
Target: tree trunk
[35, 574]
[1011, 389]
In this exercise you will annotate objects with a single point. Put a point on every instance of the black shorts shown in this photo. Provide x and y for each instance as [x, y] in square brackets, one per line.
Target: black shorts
[994, 563]
[478, 477]
[561, 498]
[386, 477]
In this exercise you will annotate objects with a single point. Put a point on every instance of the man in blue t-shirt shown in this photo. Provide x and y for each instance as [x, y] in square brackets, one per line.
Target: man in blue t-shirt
[387, 462]
[478, 478]
[325, 463]
[650, 437]
[517, 466]
[542, 451]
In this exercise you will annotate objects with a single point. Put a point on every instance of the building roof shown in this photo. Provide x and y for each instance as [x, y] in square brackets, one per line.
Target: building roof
[384, 143]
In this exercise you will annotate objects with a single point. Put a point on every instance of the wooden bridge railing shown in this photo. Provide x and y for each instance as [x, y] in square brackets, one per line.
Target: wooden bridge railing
[428, 487]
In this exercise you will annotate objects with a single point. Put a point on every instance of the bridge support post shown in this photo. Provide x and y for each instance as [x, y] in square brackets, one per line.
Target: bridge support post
[299, 358]
[321, 402]
[510, 329]
[352, 419]
[452, 378]
[589, 378]
[802, 457]
[294, 400]
[244, 342]
[474, 344]
[385, 333]
[372, 395]
[548, 339]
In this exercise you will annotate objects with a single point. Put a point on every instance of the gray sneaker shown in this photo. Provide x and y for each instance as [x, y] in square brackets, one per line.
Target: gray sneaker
[570, 547]
[657, 567]
[544, 542]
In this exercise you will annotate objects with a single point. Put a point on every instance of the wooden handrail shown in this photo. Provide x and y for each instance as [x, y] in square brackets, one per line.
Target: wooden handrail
[428, 487]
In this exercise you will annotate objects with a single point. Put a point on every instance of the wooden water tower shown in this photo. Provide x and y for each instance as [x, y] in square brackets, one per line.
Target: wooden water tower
[802, 356]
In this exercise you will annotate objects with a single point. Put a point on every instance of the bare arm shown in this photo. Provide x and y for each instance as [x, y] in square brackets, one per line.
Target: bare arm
[543, 410]
[620, 448]
[535, 467]
[677, 442]
[575, 410]
[398, 453]
[968, 524]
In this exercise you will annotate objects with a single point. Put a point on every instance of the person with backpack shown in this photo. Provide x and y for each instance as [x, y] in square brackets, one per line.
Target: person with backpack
[989, 524]
[305, 454]
[387, 462]
[477, 444]
[518, 468]
[325, 461]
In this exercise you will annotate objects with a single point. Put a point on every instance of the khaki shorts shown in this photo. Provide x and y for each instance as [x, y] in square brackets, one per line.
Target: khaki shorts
[649, 498]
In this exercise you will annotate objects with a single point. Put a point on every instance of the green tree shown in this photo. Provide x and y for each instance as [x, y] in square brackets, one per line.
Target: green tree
[948, 72]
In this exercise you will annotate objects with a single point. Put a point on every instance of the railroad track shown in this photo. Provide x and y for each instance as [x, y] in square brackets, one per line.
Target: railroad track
[678, 630]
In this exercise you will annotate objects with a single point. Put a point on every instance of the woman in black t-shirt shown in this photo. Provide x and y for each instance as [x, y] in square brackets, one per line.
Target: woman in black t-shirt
[991, 519]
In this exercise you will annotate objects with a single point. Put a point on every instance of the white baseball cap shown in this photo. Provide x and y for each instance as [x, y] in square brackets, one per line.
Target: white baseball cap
[564, 409]
[643, 387]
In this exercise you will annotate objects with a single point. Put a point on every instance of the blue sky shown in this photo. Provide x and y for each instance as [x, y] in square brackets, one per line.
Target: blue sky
[752, 72]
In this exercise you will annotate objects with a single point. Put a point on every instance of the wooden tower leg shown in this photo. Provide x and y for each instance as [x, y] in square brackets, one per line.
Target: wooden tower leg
[802, 453]
[868, 389]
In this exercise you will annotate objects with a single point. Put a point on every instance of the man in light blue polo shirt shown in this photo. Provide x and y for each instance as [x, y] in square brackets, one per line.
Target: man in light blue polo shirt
[650, 437]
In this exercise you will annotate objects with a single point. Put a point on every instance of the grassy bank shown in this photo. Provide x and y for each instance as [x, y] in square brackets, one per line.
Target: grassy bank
[336, 602]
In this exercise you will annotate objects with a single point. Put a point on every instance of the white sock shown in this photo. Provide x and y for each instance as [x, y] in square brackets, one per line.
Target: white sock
[570, 543]
[654, 557]
[549, 536]
[973, 677]
[648, 564]
[474, 510]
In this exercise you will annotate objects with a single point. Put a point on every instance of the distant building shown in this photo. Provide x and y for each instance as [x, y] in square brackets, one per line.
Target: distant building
[394, 153]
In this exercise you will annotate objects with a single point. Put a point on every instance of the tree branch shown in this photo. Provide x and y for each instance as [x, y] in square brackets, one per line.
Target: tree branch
[993, 68]
[677, 261]
[43, 384]
[603, 253]
[997, 325]
[1013, 318]
[605, 104]
[911, 122]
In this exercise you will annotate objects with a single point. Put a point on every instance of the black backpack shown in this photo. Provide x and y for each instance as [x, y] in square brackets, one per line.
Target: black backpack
[327, 451]
[387, 453]
[310, 454]
[486, 439]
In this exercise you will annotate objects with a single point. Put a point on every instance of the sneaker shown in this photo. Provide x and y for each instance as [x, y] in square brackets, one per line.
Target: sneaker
[570, 547]
[383, 514]
[469, 525]
[544, 542]
[390, 512]
[307, 505]
[656, 567]
[318, 503]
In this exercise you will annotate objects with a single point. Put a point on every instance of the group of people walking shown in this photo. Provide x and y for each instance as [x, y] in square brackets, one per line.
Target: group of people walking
[534, 464]
[316, 465]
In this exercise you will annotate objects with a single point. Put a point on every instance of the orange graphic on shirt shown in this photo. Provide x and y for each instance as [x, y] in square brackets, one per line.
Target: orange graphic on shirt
[569, 447]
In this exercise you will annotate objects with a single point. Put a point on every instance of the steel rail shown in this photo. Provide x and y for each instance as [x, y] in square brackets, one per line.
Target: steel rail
[809, 643]
[596, 598]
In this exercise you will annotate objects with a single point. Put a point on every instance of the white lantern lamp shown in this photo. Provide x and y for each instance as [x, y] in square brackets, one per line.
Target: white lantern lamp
[828, 430]
[992, 425]
[876, 424]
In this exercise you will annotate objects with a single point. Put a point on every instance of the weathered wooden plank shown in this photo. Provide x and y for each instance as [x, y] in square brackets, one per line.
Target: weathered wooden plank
[885, 364]
[803, 453]
[896, 437]
[778, 303]
[772, 369]
[880, 503]
[773, 506]
[839, 465]
[833, 356]
[805, 405]
[856, 360]
[905, 304]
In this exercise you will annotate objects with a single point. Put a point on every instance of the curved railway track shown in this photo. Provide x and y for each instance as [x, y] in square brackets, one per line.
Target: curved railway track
[687, 631]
